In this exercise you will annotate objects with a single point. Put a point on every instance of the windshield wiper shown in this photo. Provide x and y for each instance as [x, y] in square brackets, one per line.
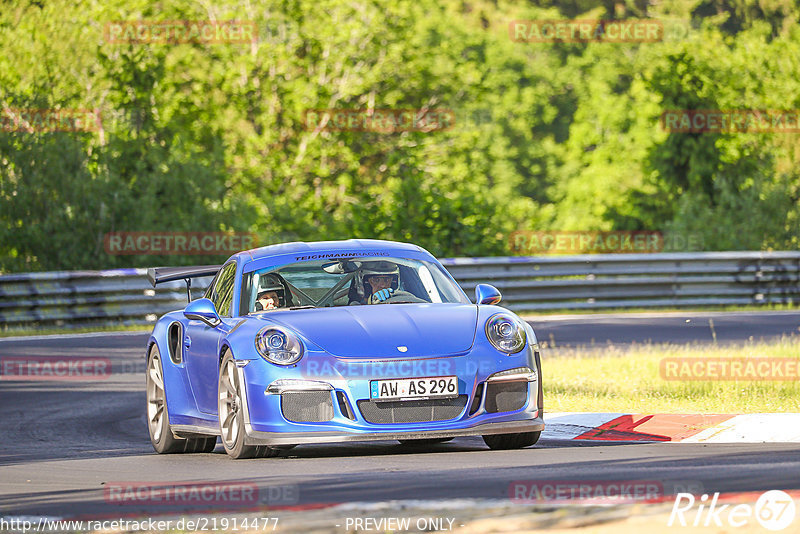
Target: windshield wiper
[306, 307]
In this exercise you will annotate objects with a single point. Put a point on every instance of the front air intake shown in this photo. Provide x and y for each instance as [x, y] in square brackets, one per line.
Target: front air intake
[418, 411]
[506, 396]
[307, 406]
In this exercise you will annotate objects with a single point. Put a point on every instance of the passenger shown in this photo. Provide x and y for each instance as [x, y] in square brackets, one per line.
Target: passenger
[271, 293]
[267, 300]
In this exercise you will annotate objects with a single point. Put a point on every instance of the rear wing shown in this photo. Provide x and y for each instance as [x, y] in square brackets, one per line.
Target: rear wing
[159, 275]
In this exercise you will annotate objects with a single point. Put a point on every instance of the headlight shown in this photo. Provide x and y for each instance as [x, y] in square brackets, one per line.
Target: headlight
[506, 333]
[279, 345]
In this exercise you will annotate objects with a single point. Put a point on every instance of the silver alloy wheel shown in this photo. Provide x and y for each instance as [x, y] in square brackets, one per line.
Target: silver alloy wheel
[230, 404]
[156, 399]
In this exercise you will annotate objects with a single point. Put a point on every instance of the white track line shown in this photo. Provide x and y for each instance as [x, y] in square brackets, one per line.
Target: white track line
[753, 428]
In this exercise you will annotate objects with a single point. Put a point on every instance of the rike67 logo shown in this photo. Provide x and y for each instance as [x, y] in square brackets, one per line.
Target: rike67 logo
[774, 510]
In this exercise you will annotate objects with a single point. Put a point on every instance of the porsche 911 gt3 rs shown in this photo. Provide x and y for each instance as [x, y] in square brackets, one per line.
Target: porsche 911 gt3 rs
[338, 341]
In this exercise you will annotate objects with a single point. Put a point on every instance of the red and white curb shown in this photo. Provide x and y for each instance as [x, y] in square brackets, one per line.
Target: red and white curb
[684, 428]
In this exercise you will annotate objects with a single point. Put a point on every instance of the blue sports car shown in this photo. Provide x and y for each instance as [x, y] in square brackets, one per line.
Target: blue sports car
[338, 341]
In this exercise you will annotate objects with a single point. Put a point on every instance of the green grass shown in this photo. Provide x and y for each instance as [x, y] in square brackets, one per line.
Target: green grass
[727, 308]
[616, 379]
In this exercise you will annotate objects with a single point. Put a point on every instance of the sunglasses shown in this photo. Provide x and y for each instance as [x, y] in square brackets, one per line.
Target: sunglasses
[380, 278]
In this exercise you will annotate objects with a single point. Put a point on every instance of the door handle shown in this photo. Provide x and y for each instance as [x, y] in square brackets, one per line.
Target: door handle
[187, 342]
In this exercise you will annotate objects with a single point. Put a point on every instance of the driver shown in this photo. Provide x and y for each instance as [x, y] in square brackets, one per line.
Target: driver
[271, 294]
[380, 281]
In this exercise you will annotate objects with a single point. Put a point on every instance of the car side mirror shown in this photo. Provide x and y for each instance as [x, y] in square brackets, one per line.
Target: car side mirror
[487, 294]
[202, 310]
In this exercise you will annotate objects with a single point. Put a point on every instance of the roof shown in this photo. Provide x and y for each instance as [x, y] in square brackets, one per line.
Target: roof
[299, 247]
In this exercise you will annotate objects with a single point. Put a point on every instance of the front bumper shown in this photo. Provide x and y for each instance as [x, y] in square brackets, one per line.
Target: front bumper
[255, 437]
[266, 424]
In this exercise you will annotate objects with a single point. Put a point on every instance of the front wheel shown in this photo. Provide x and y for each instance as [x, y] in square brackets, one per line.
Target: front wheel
[164, 442]
[512, 441]
[231, 414]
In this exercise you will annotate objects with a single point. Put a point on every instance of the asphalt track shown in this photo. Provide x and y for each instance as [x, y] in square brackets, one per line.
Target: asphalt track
[65, 442]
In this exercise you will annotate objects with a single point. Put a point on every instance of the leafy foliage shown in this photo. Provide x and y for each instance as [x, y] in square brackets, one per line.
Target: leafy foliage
[559, 136]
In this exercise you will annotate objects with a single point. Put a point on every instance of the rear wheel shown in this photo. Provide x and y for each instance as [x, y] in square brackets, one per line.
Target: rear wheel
[164, 442]
[231, 414]
[512, 441]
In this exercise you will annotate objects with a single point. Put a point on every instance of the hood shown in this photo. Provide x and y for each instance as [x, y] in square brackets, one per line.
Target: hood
[375, 332]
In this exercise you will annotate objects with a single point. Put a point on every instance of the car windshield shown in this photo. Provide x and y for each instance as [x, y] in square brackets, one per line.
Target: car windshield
[355, 281]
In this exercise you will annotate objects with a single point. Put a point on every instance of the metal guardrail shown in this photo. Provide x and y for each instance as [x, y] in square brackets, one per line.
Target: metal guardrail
[79, 298]
[597, 281]
[603, 281]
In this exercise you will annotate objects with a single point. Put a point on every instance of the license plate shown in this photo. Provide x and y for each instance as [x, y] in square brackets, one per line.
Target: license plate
[414, 388]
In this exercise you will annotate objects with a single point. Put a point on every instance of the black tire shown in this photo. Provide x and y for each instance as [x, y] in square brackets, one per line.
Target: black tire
[512, 441]
[231, 415]
[164, 442]
[426, 441]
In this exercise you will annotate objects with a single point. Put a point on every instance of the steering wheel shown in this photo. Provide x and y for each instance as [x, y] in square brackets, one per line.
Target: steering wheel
[401, 296]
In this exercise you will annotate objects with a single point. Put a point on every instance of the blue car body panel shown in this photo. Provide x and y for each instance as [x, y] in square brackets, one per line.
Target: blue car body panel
[345, 347]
